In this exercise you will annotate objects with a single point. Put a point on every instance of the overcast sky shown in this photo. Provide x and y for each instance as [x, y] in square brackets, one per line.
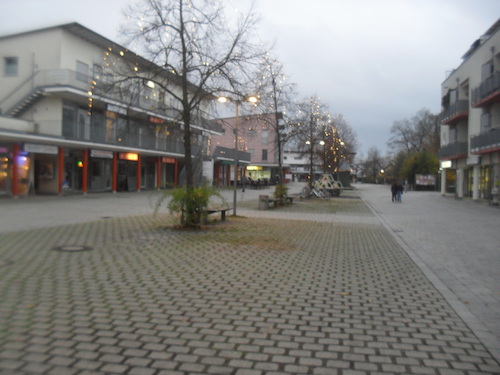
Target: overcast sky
[373, 61]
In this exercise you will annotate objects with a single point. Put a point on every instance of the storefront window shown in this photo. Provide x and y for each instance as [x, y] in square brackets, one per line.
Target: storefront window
[23, 167]
[484, 182]
[4, 174]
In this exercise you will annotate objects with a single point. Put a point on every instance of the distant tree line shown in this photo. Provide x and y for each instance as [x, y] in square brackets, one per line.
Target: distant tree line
[413, 149]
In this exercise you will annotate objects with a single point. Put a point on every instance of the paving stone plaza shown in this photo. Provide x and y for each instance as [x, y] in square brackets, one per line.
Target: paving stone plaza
[320, 287]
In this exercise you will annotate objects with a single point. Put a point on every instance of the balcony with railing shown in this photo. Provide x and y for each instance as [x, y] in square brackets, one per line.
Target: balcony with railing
[133, 136]
[488, 141]
[455, 112]
[451, 151]
[487, 92]
[135, 97]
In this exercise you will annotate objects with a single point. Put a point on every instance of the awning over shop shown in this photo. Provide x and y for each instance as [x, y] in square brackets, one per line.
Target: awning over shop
[226, 156]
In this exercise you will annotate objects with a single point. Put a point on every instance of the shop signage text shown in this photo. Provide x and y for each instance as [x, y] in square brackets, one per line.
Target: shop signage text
[40, 149]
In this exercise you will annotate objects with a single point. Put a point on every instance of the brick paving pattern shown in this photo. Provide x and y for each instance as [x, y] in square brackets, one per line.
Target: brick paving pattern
[253, 296]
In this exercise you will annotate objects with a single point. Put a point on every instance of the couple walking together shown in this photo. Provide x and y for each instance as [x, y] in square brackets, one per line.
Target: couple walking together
[397, 192]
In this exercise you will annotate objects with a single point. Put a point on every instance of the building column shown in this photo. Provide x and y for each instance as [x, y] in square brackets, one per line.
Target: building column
[218, 173]
[475, 182]
[158, 173]
[60, 170]
[114, 172]
[15, 170]
[139, 160]
[443, 181]
[85, 172]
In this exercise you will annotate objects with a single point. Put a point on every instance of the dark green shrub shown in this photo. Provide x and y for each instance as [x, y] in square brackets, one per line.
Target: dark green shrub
[189, 204]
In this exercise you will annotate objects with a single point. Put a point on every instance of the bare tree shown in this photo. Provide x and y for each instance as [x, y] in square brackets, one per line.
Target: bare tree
[276, 93]
[420, 132]
[373, 164]
[339, 143]
[194, 56]
[309, 129]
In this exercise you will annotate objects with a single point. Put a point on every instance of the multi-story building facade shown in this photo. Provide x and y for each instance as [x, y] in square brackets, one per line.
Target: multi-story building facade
[67, 125]
[470, 131]
[257, 142]
[300, 164]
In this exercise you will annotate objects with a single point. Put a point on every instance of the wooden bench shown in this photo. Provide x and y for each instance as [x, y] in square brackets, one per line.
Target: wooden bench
[264, 201]
[222, 211]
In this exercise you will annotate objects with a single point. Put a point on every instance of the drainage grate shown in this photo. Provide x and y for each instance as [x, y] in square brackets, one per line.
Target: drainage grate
[72, 248]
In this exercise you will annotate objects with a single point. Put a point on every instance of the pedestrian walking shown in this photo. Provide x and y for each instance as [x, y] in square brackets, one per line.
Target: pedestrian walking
[243, 183]
[399, 191]
[393, 191]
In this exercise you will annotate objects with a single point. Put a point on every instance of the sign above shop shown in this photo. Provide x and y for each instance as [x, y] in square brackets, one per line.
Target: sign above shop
[473, 160]
[446, 164]
[129, 156]
[40, 149]
[101, 154]
[116, 109]
[156, 120]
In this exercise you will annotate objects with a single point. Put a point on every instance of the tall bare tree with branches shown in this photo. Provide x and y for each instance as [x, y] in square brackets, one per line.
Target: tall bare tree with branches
[418, 133]
[276, 93]
[195, 55]
[309, 129]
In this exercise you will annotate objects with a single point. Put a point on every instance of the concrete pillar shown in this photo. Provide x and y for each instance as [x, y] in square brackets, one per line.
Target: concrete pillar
[443, 181]
[460, 183]
[475, 182]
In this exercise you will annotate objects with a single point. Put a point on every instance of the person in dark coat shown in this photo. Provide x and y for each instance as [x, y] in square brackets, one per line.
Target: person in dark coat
[399, 191]
[393, 191]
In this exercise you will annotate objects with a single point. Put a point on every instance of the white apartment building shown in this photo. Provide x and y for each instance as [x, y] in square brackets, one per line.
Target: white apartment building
[66, 126]
[470, 131]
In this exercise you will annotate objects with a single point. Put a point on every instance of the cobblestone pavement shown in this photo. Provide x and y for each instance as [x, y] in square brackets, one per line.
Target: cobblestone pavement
[326, 289]
[458, 242]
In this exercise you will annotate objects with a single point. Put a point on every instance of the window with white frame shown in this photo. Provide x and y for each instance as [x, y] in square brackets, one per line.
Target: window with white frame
[265, 137]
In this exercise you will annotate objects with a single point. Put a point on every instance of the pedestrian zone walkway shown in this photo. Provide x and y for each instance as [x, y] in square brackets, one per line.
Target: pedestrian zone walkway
[98, 285]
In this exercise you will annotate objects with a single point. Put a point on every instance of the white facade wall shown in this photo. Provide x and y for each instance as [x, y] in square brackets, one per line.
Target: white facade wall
[467, 77]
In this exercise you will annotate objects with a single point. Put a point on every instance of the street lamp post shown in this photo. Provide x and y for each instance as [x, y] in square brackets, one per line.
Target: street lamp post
[237, 102]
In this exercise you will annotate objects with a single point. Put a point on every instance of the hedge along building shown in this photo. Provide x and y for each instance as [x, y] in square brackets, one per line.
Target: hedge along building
[67, 125]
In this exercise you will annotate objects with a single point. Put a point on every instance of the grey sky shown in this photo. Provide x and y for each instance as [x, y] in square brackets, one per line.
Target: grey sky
[374, 61]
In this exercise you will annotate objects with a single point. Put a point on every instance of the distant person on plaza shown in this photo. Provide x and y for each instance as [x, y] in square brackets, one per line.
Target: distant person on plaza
[399, 191]
[243, 183]
[393, 191]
